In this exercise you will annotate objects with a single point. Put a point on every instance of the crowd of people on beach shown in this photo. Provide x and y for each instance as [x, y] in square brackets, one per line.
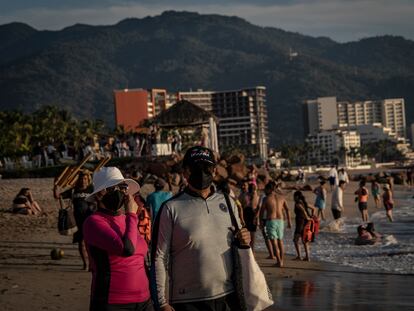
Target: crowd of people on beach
[135, 145]
[132, 244]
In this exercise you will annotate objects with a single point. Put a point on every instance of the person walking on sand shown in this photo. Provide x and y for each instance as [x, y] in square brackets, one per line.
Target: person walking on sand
[116, 249]
[362, 199]
[337, 204]
[301, 217]
[249, 200]
[191, 243]
[333, 177]
[320, 200]
[81, 210]
[274, 205]
[388, 201]
[375, 190]
[263, 220]
[343, 175]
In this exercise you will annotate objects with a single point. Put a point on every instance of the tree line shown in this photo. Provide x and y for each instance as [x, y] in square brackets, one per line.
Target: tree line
[21, 132]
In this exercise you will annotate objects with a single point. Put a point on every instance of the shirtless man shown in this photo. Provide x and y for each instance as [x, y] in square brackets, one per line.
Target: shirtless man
[274, 205]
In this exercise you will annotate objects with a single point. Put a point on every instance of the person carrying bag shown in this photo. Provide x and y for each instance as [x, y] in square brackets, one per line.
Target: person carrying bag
[66, 219]
[248, 278]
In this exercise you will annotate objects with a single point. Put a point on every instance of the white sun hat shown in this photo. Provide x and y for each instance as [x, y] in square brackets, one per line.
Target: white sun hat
[108, 177]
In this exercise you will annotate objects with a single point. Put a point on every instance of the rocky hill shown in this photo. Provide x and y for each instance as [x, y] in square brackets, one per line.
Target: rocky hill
[78, 67]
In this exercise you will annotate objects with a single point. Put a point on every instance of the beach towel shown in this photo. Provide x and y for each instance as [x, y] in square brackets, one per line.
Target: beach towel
[310, 230]
[316, 227]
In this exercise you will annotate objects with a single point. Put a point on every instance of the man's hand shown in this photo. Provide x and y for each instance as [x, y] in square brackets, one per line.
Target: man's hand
[243, 236]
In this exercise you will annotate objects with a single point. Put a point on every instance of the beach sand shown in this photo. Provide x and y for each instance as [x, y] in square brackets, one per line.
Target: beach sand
[30, 280]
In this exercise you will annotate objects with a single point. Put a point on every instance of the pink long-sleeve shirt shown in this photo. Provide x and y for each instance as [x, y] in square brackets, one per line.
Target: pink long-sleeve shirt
[117, 254]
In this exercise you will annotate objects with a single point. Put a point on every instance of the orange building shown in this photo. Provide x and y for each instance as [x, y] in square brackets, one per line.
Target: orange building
[132, 106]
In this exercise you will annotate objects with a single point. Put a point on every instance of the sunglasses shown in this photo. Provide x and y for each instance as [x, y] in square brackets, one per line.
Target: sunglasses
[120, 187]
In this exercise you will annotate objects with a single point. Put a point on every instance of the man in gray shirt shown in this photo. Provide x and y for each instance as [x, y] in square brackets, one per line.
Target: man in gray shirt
[192, 243]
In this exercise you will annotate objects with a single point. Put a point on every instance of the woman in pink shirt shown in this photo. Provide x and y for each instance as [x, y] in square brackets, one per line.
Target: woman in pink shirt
[116, 249]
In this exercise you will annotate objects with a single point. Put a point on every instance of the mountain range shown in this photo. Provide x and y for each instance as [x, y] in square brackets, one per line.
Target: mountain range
[78, 67]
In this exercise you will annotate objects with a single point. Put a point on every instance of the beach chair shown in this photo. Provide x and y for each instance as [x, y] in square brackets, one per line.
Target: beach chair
[48, 161]
[8, 163]
[26, 163]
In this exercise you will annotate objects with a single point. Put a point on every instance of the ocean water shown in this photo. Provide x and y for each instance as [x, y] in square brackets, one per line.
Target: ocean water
[335, 242]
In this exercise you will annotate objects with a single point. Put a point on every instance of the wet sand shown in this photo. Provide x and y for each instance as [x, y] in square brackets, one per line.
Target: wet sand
[30, 280]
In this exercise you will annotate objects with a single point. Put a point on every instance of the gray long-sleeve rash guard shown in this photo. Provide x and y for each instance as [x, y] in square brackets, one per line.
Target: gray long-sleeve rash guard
[191, 242]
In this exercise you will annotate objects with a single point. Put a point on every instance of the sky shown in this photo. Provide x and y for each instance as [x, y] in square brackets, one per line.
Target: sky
[341, 20]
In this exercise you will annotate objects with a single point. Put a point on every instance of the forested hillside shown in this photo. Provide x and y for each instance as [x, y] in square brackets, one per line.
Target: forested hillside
[78, 67]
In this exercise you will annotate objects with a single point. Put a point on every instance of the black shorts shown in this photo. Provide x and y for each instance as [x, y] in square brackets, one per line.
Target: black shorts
[336, 214]
[140, 306]
[362, 206]
[332, 180]
[388, 206]
[249, 215]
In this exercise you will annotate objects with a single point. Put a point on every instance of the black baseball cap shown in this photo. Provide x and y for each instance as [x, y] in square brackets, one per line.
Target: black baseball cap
[198, 154]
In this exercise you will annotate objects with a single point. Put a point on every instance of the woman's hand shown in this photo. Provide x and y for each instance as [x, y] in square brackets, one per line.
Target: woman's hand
[130, 205]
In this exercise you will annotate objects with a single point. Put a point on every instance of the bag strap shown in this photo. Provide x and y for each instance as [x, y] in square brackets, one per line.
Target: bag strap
[234, 222]
[230, 208]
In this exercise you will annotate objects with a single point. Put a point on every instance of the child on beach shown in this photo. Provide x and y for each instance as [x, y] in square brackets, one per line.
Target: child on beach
[375, 190]
[388, 201]
[301, 218]
[24, 203]
[362, 200]
[320, 201]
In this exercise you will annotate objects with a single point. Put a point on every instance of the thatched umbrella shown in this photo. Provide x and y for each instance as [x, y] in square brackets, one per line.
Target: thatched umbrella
[183, 114]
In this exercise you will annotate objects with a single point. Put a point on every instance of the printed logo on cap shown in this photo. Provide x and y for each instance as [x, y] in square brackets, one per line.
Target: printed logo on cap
[200, 153]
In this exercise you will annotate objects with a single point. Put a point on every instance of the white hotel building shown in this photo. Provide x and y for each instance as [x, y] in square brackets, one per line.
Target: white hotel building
[335, 128]
[326, 113]
[242, 116]
[330, 146]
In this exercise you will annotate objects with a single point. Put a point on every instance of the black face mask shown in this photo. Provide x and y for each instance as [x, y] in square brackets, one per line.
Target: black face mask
[113, 200]
[200, 177]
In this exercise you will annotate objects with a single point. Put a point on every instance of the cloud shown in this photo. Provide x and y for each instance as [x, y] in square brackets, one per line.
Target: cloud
[342, 20]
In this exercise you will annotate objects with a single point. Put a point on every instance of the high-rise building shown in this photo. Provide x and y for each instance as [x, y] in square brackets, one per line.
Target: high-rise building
[132, 106]
[242, 117]
[321, 114]
[242, 113]
[327, 113]
[202, 99]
